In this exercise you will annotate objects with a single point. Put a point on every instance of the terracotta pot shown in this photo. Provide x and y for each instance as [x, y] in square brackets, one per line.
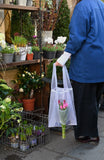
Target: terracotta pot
[29, 56]
[28, 104]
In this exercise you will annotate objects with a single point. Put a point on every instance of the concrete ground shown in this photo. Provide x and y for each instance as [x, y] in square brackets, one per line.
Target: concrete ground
[59, 149]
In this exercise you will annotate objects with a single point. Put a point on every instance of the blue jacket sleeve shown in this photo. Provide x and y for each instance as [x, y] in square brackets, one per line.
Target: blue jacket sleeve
[79, 28]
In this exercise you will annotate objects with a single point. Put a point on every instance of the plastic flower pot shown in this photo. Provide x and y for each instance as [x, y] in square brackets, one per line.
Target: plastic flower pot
[29, 56]
[28, 104]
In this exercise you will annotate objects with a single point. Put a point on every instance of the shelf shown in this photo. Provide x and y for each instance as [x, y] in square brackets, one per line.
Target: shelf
[17, 7]
[15, 64]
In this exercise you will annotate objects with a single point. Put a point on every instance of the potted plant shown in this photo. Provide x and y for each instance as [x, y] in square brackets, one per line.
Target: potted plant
[36, 51]
[60, 45]
[13, 134]
[9, 111]
[8, 54]
[27, 83]
[20, 45]
[29, 54]
[49, 51]
[24, 145]
[32, 138]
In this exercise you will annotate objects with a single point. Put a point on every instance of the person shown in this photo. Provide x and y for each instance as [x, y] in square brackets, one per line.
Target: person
[86, 49]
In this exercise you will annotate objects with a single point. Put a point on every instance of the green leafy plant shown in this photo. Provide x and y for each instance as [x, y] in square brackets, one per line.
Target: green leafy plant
[19, 41]
[28, 82]
[58, 69]
[9, 111]
[7, 50]
[49, 47]
[35, 48]
[5, 90]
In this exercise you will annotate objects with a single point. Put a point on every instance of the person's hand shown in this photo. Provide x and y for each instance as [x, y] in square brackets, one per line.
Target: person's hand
[58, 64]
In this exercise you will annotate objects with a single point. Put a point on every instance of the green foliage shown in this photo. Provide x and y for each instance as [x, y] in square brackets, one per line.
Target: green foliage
[19, 41]
[4, 89]
[28, 82]
[49, 47]
[58, 69]
[8, 50]
[60, 48]
[62, 25]
[21, 22]
[9, 111]
[35, 48]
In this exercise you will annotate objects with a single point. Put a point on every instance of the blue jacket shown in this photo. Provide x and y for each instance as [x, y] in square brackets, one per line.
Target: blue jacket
[86, 43]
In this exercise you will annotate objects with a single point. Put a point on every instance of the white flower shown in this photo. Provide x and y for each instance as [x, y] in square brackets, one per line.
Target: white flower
[48, 40]
[7, 100]
[60, 40]
[2, 107]
[21, 90]
[23, 75]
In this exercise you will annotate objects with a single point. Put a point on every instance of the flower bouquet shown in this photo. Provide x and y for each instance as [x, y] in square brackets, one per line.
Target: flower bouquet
[63, 113]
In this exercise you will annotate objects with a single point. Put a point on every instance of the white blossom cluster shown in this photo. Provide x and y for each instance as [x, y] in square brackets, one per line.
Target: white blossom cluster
[48, 40]
[60, 40]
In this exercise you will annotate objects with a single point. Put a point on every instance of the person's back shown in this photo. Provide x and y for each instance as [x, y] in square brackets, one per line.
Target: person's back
[86, 42]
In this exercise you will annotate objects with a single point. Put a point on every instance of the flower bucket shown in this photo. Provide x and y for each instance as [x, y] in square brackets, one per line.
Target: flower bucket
[17, 57]
[23, 53]
[29, 3]
[28, 104]
[29, 56]
[21, 2]
[1, 1]
[6, 1]
[8, 58]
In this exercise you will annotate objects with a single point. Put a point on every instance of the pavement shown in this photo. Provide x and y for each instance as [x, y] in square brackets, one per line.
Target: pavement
[59, 149]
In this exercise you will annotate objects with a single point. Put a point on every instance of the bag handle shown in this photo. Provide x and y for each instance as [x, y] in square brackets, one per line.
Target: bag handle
[66, 79]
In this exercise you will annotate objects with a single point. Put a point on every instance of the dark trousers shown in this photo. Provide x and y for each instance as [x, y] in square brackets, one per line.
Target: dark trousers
[86, 97]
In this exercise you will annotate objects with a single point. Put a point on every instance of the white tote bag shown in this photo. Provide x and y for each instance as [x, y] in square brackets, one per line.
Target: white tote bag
[60, 94]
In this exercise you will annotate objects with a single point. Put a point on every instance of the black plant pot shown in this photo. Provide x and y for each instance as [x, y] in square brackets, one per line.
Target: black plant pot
[59, 53]
[49, 54]
[36, 55]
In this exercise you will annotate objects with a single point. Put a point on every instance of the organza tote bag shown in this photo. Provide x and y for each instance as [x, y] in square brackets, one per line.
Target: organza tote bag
[58, 96]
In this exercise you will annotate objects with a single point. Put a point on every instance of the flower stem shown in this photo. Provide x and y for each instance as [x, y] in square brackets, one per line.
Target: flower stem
[63, 131]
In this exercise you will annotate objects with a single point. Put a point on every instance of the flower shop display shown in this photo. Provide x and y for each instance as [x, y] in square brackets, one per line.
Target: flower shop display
[8, 54]
[61, 105]
[63, 113]
[27, 83]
